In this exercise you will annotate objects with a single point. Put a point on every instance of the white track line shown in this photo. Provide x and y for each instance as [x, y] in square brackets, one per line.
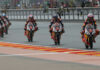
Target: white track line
[27, 54]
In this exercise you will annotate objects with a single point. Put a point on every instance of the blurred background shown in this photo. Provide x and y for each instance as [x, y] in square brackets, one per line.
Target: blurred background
[29, 4]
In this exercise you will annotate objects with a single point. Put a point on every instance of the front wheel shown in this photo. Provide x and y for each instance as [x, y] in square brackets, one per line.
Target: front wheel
[91, 43]
[55, 43]
[31, 36]
[6, 30]
[57, 38]
[29, 40]
[86, 46]
[2, 32]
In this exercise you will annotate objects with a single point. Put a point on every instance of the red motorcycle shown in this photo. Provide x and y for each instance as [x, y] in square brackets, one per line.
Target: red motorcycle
[30, 31]
[89, 36]
[56, 33]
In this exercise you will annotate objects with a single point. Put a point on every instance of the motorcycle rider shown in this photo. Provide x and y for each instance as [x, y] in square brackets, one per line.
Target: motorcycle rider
[31, 19]
[53, 20]
[1, 26]
[90, 20]
[5, 19]
[56, 19]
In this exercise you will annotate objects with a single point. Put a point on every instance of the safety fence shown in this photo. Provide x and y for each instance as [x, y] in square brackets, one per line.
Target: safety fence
[75, 14]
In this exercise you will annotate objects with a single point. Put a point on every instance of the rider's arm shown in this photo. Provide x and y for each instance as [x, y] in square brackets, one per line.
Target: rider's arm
[34, 23]
[50, 24]
[52, 21]
[95, 25]
[62, 24]
[86, 22]
[84, 25]
[1, 23]
[7, 19]
[25, 25]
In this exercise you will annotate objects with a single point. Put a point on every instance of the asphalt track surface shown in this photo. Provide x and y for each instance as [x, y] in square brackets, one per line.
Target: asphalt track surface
[24, 63]
[71, 39]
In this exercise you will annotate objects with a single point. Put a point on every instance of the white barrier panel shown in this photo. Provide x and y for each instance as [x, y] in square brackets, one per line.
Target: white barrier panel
[68, 14]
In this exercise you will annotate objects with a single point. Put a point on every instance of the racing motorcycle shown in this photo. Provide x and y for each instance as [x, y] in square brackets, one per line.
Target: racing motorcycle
[30, 31]
[56, 33]
[88, 38]
[6, 26]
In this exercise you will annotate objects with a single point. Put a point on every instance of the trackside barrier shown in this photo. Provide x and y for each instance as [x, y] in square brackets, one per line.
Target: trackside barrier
[73, 14]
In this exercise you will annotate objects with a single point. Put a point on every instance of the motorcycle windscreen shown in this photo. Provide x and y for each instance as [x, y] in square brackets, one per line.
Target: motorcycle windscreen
[89, 29]
[57, 28]
[30, 26]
